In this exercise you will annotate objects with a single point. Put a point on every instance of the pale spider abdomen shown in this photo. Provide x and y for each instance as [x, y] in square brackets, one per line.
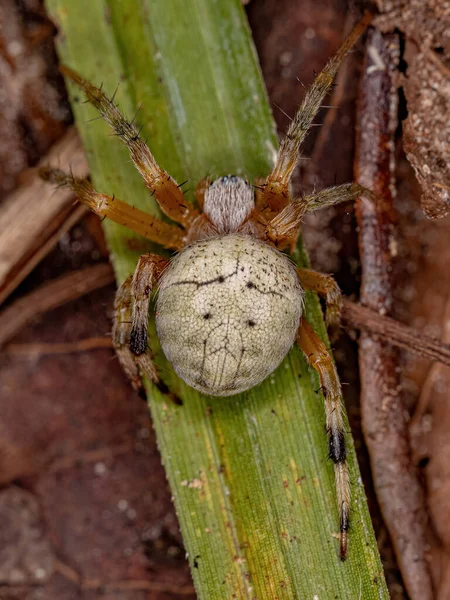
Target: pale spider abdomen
[227, 313]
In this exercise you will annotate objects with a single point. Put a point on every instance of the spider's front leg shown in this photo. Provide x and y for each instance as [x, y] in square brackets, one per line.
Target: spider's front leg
[131, 318]
[276, 190]
[142, 223]
[285, 226]
[168, 194]
[319, 358]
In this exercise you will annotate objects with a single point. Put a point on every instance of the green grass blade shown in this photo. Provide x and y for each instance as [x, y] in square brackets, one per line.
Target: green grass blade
[253, 488]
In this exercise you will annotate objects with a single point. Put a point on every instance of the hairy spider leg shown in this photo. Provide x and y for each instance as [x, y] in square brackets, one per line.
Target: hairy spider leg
[200, 191]
[276, 192]
[328, 289]
[169, 236]
[285, 226]
[130, 313]
[264, 213]
[319, 358]
[167, 193]
[149, 269]
[121, 335]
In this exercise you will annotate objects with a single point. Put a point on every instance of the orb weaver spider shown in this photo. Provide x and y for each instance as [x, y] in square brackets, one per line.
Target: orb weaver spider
[229, 304]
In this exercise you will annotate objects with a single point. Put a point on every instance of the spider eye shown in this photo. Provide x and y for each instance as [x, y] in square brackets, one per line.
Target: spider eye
[229, 179]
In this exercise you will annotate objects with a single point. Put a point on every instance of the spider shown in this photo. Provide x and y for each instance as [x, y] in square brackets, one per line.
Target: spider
[230, 302]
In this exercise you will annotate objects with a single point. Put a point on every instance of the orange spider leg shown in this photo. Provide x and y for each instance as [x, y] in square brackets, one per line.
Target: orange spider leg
[285, 226]
[200, 191]
[276, 193]
[320, 359]
[121, 335]
[169, 236]
[326, 287]
[265, 212]
[129, 332]
[168, 194]
[148, 270]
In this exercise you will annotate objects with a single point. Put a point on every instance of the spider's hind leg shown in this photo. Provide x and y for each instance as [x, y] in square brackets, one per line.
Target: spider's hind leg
[121, 335]
[130, 323]
[328, 289]
[320, 359]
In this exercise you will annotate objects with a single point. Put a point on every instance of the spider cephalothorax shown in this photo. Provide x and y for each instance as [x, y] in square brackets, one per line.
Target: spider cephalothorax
[230, 302]
[228, 203]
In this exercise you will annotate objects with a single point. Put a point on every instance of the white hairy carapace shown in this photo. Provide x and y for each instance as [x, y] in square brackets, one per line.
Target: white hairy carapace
[229, 306]
[229, 201]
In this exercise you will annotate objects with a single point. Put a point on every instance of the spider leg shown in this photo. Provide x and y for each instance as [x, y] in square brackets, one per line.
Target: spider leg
[168, 194]
[285, 226]
[320, 359]
[169, 236]
[200, 191]
[149, 269]
[326, 287]
[276, 193]
[131, 313]
[121, 335]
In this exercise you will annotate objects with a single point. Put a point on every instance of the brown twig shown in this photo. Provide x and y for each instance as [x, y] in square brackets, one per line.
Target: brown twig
[433, 375]
[51, 295]
[117, 586]
[34, 217]
[103, 454]
[383, 414]
[41, 348]
[394, 332]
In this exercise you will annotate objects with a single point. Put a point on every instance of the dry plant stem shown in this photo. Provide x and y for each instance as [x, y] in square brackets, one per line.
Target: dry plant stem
[51, 295]
[135, 585]
[33, 218]
[383, 415]
[392, 331]
[50, 235]
[41, 349]
[434, 373]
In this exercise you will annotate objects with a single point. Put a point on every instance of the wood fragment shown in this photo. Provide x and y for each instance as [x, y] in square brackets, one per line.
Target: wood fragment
[395, 333]
[51, 295]
[117, 586]
[434, 374]
[35, 216]
[41, 348]
[102, 454]
[383, 414]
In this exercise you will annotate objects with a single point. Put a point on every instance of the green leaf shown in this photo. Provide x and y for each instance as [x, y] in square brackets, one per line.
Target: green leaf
[253, 488]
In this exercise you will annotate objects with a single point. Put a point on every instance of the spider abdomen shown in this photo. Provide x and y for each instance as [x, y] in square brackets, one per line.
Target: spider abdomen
[227, 313]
